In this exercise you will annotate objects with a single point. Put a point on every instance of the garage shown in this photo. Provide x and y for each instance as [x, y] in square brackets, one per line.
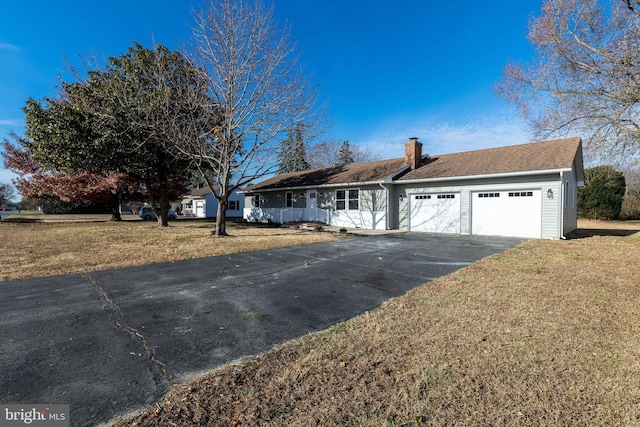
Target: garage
[516, 213]
[435, 213]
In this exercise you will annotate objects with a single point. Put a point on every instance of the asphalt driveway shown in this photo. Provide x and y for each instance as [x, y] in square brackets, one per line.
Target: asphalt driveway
[113, 341]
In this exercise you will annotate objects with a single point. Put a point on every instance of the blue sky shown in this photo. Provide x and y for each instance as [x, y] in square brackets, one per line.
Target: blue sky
[389, 70]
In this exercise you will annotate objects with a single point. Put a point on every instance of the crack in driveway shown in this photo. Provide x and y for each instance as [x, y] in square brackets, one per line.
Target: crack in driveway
[117, 321]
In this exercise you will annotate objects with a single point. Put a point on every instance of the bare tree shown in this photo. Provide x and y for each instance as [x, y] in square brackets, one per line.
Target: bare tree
[259, 92]
[326, 154]
[7, 193]
[586, 77]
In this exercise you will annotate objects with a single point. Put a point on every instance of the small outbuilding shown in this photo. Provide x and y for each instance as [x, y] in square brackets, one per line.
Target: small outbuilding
[201, 203]
[527, 190]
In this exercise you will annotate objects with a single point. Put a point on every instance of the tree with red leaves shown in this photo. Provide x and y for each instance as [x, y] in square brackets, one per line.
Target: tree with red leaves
[35, 182]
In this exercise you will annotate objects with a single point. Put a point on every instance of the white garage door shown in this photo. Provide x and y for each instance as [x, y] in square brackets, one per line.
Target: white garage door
[507, 213]
[435, 213]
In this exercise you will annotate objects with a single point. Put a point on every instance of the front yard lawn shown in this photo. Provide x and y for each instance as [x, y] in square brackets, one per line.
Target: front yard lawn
[46, 249]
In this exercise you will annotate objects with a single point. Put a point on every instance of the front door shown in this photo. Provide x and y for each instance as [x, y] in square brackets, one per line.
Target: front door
[312, 206]
[199, 204]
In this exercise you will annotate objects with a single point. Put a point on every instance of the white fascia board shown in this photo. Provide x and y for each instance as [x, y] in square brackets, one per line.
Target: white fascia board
[484, 176]
[313, 187]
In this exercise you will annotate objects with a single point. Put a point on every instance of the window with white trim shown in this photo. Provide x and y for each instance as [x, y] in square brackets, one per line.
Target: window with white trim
[521, 194]
[446, 196]
[256, 201]
[347, 200]
[489, 195]
[234, 205]
[423, 196]
[288, 199]
[354, 200]
[340, 200]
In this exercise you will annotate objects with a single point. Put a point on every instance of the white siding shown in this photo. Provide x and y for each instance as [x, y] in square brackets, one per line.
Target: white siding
[465, 211]
[371, 212]
[403, 210]
[372, 206]
[551, 211]
[551, 214]
[570, 203]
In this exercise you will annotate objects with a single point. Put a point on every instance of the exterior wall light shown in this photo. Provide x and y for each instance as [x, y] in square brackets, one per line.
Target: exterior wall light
[401, 198]
[550, 194]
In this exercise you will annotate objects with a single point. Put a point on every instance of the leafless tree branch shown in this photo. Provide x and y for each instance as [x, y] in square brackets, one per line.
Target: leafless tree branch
[586, 77]
[258, 92]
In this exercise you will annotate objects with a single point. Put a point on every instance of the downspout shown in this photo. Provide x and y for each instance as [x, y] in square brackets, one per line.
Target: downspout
[561, 202]
[387, 207]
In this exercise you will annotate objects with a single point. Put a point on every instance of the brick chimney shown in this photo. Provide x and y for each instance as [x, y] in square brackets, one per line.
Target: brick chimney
[413, 153]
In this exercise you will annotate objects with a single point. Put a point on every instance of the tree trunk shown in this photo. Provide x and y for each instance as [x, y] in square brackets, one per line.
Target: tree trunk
[221, 218]
[163, 218]
[115, 208]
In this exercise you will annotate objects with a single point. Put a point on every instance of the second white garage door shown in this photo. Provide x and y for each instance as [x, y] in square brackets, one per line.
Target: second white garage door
[435, 213]
[507, 213]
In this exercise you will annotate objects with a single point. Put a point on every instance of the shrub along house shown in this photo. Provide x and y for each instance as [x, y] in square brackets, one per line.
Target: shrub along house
[527, 190]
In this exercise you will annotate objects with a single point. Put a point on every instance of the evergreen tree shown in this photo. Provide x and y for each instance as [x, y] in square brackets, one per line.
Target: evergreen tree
[293, 157]
[345, 157]
[116, 127]
[325, 154]
[602, 195]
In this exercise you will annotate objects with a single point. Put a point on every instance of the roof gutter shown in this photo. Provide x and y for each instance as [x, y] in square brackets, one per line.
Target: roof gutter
[308, 187]
[485, 176]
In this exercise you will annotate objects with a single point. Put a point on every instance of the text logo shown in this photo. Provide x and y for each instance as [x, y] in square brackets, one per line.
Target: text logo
[34, 415]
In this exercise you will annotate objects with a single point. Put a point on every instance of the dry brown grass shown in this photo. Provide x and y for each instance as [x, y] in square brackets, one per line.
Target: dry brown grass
[547, 333]
[46, 249]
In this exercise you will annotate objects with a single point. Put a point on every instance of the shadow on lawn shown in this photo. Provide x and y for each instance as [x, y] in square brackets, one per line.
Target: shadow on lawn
[582, 233]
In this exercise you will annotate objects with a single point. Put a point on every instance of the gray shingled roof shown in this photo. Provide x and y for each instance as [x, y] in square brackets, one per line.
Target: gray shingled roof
[535, 156]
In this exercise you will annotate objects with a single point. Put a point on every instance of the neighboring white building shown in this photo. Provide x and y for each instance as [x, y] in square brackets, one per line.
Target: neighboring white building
[201, 203]
[527, 190]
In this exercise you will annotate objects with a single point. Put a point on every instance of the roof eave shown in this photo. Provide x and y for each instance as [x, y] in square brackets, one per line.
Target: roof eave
[390, 179]
[310, 187]
[485, 176]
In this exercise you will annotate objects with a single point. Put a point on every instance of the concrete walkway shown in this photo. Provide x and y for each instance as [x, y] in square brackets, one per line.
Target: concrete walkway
[114, 341]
